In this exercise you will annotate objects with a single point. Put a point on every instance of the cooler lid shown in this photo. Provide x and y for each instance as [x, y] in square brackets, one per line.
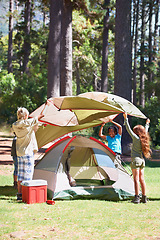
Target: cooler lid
[36, 182]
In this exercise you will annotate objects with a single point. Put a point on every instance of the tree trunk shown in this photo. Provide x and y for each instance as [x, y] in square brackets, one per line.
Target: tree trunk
[66, 50]
[150, 72]
[53, 89]
[156, 25]
[123, 61]
[126, 139]
[10, 49]
[27, 44]
[135, 54]
[123, 49]
[142, 80]
[133, 18]
[77, 77]
[95, 82]
[104, 81]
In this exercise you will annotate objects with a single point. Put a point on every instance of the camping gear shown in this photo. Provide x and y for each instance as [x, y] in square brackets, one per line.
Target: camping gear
[50, 202]
[34, 191]
[68, 114]
[90, 165]
[86, 111]
[97, 101]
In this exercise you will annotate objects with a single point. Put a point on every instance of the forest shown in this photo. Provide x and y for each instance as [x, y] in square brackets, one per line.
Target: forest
[67, 47]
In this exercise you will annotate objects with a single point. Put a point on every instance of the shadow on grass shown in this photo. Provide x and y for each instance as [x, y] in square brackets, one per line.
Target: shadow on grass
[152, 163]
[6, 136]
[7, 191]
[154, 199]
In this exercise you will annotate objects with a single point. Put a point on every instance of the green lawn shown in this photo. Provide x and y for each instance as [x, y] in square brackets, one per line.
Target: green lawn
[80, 219]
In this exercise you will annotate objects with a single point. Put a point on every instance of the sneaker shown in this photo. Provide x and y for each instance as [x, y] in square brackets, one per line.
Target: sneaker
[136, 199]
[19, 196]
[144, 199]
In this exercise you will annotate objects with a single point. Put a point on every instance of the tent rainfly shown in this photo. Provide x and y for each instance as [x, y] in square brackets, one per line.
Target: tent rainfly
[72, 113]
[83, 168]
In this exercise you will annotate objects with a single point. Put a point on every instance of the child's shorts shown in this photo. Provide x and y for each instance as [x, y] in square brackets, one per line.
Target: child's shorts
[25, 167]
[137, 163]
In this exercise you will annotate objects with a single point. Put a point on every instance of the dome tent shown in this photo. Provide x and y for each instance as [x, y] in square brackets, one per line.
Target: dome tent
[94, 167]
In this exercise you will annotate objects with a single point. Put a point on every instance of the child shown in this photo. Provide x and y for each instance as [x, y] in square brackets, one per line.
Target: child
[114, 138]
[26, 145]
[140, 146]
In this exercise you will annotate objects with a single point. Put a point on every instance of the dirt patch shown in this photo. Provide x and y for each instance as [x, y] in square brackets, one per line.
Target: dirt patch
[6, 170]
[5, 150]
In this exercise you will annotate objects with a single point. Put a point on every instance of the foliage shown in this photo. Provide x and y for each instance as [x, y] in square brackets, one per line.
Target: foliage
[7, 85]
[30, 90]
[87, 50]
[149, 51]
[152, 111]
[35, 86]
[19, 89]
[85, 132]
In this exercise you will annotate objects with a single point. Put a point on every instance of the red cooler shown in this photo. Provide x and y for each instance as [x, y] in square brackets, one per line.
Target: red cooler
[34, 191]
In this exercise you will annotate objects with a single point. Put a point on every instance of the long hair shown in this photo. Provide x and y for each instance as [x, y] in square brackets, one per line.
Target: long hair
[140, 131]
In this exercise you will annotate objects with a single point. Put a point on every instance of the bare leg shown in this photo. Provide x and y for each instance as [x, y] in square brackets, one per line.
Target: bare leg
[136, 180]
[15, 178]
[15, 184]
[19, 187]
[142, 181]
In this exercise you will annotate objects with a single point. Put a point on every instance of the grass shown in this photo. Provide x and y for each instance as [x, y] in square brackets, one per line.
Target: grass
[79, 219]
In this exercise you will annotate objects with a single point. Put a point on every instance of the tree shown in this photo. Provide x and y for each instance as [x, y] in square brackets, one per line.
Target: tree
[157, 4]
[27, 30]
[54, 46]
[87, 45]
[135, 52]
[123, 61]
[10, 47]
[142, 50]
[66, 49]
[104, 80]
[150, 72]
[60, 49]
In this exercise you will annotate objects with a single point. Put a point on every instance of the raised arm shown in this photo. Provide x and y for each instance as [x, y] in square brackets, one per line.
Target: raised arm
[101, 130]
[128, 128]
[147, 124]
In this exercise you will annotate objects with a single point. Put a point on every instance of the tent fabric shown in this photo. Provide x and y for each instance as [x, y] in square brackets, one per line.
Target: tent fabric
[93, 166]
[48, 133]
[102, 193]
[93, 110]
[116, 101]
[98, 101]
[72, 113]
